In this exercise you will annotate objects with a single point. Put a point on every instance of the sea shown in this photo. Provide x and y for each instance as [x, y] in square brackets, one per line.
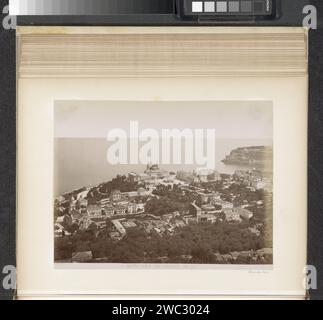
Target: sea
[82, 162]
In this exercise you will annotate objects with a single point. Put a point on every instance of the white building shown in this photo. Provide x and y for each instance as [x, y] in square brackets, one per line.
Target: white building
[104, 202]
[115, 196]
[222, 203]
[258, 184]
[119, 227]
[94, 210]
[232, 215]
[244, 213]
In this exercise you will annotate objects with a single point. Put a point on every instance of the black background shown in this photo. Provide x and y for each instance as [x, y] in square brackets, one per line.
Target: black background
[315, 152]
[8, 150]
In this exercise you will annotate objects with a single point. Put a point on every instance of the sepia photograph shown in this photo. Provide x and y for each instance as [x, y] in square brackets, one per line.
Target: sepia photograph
[163, 182]
[167, 159]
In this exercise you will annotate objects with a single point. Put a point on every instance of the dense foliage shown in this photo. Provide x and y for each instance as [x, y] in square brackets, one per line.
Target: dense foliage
[196, 243]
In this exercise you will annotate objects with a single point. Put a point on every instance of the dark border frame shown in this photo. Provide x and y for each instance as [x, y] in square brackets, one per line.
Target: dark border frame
[289, 13]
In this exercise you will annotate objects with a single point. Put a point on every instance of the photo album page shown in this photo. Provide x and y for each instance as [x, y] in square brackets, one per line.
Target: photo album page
[166, 161]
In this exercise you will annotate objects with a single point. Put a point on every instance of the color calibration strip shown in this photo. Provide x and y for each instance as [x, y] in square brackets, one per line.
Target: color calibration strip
[89, 7]
[232, 7]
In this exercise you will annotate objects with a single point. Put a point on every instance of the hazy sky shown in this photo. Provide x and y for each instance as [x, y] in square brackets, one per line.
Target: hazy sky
[231, 120]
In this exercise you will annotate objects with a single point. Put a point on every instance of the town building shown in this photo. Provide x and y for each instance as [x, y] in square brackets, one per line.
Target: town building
[189, 219]
[59, 200]
[104, 202]
[133, 177]
[237, 214]
[251, 178]
[258, 184]
[255, 231]
[131, 208]
[83, 203]
[115, 196]
[167, 217]
[131, 194]
[244, 213]
[121, 208]
[100, 222]
[68, 221]
[60, 219]
[203, 214]
[87, 224]
[207, 217]
[215, 176]
[129, 224]
[94, 210]
[142, 192]
[209, 208]
[195, 210]
[109, 210]
[232, 216]
[224, 204]
[140, 207]
[153, 171]
[179, 223]
[120, 228]
[73, 204]
[76, 216]
[206, 175]
[58, 230]
[187, 177]
[203, 177]
[138, 177]
[204, 197]
[209, 197]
